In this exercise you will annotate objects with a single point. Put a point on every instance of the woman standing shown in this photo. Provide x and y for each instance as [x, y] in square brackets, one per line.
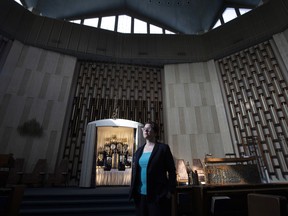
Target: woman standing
[153, 175]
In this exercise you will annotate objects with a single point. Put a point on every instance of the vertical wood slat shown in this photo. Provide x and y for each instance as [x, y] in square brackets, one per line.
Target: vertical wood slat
[3, 45]
[44, 34]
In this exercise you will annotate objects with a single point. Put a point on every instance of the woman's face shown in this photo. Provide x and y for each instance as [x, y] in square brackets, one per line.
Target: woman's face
[148, 132]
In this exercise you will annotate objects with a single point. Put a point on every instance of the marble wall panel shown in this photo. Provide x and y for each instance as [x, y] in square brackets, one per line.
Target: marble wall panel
[196, 116]
[36, 85]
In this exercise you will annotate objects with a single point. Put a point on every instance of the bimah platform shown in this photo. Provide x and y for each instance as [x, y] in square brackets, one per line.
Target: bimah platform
[228, 181]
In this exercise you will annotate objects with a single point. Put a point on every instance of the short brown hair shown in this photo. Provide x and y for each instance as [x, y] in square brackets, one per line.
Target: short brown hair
[154, 126]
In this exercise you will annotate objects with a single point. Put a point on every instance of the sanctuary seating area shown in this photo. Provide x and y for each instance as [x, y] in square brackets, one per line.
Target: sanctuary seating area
[10, 197]
[12, 173]
[14, 181]
[35, 194]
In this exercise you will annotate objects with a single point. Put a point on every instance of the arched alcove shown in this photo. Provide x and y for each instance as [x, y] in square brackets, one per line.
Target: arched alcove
[97, 133]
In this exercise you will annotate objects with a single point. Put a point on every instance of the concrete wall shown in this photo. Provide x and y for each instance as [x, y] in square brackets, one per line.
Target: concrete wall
[88, 42]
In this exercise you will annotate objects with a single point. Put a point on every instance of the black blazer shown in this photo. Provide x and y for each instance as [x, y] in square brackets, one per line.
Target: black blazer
[161, 173]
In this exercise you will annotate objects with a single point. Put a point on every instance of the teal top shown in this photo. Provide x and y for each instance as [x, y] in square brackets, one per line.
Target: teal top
[143, 163]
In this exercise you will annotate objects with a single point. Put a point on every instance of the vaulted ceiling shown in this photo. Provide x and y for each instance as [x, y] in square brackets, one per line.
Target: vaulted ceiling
[183, 16]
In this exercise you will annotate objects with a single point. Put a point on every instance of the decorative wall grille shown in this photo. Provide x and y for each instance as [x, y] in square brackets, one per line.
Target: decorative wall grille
[257, 96]
[136, 91]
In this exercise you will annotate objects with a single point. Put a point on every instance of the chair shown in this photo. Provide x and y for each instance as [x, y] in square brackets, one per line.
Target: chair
[228, 205]
[16, 172]
[59, 177]
[36, 178]
[266, 205]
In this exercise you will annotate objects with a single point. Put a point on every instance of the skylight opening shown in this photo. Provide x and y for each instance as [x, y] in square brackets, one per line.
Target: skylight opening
[229, 14]
[19, 2]
[218, 23]
[76, 21]
[140, 27]
[244, 10]
[155, 29]
[91, 22]
[108, 23]
[124, 24]
[168, 32]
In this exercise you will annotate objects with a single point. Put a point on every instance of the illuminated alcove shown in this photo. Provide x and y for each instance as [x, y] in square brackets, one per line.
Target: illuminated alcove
[108, 132]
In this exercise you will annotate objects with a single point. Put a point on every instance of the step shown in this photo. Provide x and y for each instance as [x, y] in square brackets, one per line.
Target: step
[76, 202]
[78, 210]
